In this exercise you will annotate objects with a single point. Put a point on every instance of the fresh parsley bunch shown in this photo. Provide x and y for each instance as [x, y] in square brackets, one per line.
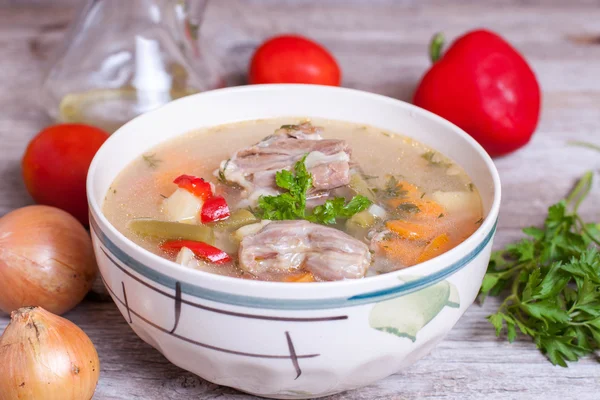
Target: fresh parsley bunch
[553, 283]
[292, 204]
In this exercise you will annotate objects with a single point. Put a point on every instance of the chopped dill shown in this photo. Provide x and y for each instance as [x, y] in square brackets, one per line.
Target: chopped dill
[429, 157]
[151, 160]
[410, 208]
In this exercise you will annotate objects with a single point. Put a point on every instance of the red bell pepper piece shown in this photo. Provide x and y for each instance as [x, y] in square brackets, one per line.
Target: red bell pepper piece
[214, 209]
[483, 85]
[200, 249]
[196, 186]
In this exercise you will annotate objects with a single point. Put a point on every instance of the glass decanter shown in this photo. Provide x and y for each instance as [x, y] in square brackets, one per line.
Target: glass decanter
[123, 58]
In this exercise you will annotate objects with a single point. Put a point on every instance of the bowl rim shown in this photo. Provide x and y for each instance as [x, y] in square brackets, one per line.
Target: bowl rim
[450, 261]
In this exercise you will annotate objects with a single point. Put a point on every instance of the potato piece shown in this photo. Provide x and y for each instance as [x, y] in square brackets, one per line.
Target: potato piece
[458, 201]
[361, 187]
[187, 258]
[250, 229]
[182, 206]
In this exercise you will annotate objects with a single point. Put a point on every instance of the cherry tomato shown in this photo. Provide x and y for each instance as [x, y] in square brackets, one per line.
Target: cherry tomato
[293, 59]
[56, 163]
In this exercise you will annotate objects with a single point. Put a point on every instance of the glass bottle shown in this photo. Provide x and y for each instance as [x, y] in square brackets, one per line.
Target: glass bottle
[123, 58]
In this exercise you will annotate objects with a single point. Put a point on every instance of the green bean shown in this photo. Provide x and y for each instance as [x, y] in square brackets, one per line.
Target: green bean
[236, 220]
[172, 230]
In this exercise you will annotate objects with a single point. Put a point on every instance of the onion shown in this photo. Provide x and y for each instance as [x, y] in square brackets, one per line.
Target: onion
[44, 356]
[46, 260]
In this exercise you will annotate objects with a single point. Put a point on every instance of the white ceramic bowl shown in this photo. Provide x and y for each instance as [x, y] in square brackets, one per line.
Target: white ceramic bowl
[290, 340]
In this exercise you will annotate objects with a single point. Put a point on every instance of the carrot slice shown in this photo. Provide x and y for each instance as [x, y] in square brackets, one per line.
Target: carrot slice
[410, 230]
[401, 250]
[409, 190]
[406, 192]
[437, 246]
[418, 208]
[304, 277]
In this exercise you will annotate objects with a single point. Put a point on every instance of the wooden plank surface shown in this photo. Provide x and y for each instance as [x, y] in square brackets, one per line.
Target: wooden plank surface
[381, 47]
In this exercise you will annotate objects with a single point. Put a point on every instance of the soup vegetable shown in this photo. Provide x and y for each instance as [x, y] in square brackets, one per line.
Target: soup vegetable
[290, 201]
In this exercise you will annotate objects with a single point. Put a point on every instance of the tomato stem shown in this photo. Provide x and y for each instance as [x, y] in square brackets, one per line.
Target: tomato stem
[435, 46]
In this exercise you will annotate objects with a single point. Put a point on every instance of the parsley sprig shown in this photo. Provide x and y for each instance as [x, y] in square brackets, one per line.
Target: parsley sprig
[292, 204]
[553, 283]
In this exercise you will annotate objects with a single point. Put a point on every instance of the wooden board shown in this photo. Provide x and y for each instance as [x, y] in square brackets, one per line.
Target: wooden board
[381, 46]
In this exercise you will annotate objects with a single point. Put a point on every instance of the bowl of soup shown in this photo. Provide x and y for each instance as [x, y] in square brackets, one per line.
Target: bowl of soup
[292, 241]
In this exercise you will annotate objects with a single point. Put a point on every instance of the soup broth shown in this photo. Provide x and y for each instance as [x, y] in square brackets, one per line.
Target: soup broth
[375, 201]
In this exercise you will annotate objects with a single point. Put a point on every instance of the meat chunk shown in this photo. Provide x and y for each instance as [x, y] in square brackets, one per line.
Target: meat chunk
[304, 130]
[292, 246]
[254, 168]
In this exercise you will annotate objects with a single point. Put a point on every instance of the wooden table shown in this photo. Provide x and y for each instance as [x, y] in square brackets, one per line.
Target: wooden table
[381, 46]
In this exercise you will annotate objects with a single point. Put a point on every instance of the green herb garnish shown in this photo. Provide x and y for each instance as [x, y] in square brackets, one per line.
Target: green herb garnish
[151, 160]
[289, 127]
[292, 204]
[553, 278]
[392, 189]
[430, 155]
[369, 177]
[328, 212]
[410, 208]
[222, 176]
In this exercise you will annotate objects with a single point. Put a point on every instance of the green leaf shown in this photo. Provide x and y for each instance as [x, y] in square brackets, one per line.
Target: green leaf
[496, 321]
[534, 232]
[328, 211]
[552, 284]
[545, 311]
[292, 204]
[523, 250]
[356, 205]
[511, 333]
[285, 179]
[489, 281]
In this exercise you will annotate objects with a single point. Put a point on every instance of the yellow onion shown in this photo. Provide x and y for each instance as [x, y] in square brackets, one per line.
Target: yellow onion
[45, 357]
[46, 260]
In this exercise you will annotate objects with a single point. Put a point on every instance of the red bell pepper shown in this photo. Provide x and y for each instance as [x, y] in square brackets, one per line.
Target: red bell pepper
[483, 85]
[214, 209]
[200, 249]
[196, 186]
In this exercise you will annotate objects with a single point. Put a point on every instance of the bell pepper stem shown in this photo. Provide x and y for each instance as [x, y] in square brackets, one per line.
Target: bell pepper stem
[435, 47]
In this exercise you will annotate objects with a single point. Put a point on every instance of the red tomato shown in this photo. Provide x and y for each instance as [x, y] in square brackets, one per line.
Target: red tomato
[293, 59]
[56, 163]
[483, 85]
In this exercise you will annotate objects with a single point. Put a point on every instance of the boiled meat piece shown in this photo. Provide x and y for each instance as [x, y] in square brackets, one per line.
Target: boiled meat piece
[254, 168]
[304, 130]
[292, 246]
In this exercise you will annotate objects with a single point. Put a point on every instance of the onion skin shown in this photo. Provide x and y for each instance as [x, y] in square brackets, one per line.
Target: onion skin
[44, 356]
[46, 259]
